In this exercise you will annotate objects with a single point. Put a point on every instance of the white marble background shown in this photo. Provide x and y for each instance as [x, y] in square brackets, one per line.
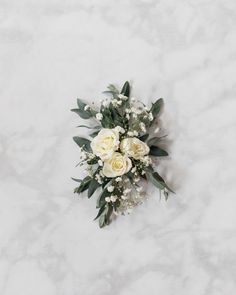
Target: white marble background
[52, 52]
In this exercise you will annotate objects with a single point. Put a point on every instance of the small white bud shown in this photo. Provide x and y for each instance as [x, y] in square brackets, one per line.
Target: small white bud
[99, 116]
[110, 188]
[87, 107]
[113, 198]
[121, 96]
[118, 179]
[100, 163]
[108, 199]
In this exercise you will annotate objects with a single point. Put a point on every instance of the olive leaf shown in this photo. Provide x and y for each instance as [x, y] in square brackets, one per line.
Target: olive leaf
[158, 181]
[144, 137]
[101, 199]
[155, 109]
[126, 89]
[158, 152]
[83, 143]
[83, 185]
[93, 185]
[84, 114]
[155, 140]
[105, 216]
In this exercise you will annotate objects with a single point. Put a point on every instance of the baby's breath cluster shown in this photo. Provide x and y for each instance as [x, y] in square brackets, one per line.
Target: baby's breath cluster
[118, 158]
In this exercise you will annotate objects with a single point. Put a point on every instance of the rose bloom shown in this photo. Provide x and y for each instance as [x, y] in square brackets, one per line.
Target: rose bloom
[133, 147]
[105, 143]
[117, 165]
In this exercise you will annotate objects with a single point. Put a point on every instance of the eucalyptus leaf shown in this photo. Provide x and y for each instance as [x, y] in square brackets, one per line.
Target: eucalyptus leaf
[158, 152]
[155, 140]
[95, 133]
[89, 127]
[105, 216]
[77, 180]
[126, 89]
[156, 180]
[83, 114]
[144, 137]
[100, 211]
[83, 185]
[92, 187]
[101, 199]
[156, 107]
[83, 142]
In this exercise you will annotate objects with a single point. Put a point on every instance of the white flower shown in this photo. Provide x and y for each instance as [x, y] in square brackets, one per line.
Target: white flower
[133, 169]
[146, 160]
[100, 163]
[136, 179]
[120, 129]
[117, 165]
[119, 102]
[127, 116]
[127, 191]
[110, 188]
[87, 107]
[134, 115]
[118, 179]
[130, 133]
[135, 133]
[121, 96]
[123, 197]
[113, 198]
[105, 143]
[99, 116]
[105, 102]
[114, 102]
[133, 147]
[108, 199]
[128, 111]
[150, 116]
[143, 127]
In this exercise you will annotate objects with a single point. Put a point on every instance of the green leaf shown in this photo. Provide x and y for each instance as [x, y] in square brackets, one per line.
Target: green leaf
[95, 127]
[126, 89]
[83, 185]
[92, 187]
[158, 152]
[101, 199]
[105, 216]
[77, 180]
[82, 113]
[95, 133]
[156, 180]
[156, 107]
[144, 137]
[112, 88]
[155, 140]
[100, 211]
[83, 142]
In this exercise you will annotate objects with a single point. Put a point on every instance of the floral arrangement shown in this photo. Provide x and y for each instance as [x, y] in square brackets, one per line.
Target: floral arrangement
[120, 155]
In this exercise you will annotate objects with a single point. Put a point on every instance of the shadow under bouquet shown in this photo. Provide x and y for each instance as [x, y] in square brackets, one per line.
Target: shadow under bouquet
[119, 155]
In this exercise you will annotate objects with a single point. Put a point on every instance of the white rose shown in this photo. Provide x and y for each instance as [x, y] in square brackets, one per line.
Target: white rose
[133, 147]
[117, 165]
[105, 143]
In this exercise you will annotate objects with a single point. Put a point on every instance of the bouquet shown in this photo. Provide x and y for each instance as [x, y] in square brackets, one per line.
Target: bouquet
[119, 156]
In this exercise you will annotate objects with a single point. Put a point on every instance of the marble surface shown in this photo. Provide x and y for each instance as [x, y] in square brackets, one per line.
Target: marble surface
[52, 52]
